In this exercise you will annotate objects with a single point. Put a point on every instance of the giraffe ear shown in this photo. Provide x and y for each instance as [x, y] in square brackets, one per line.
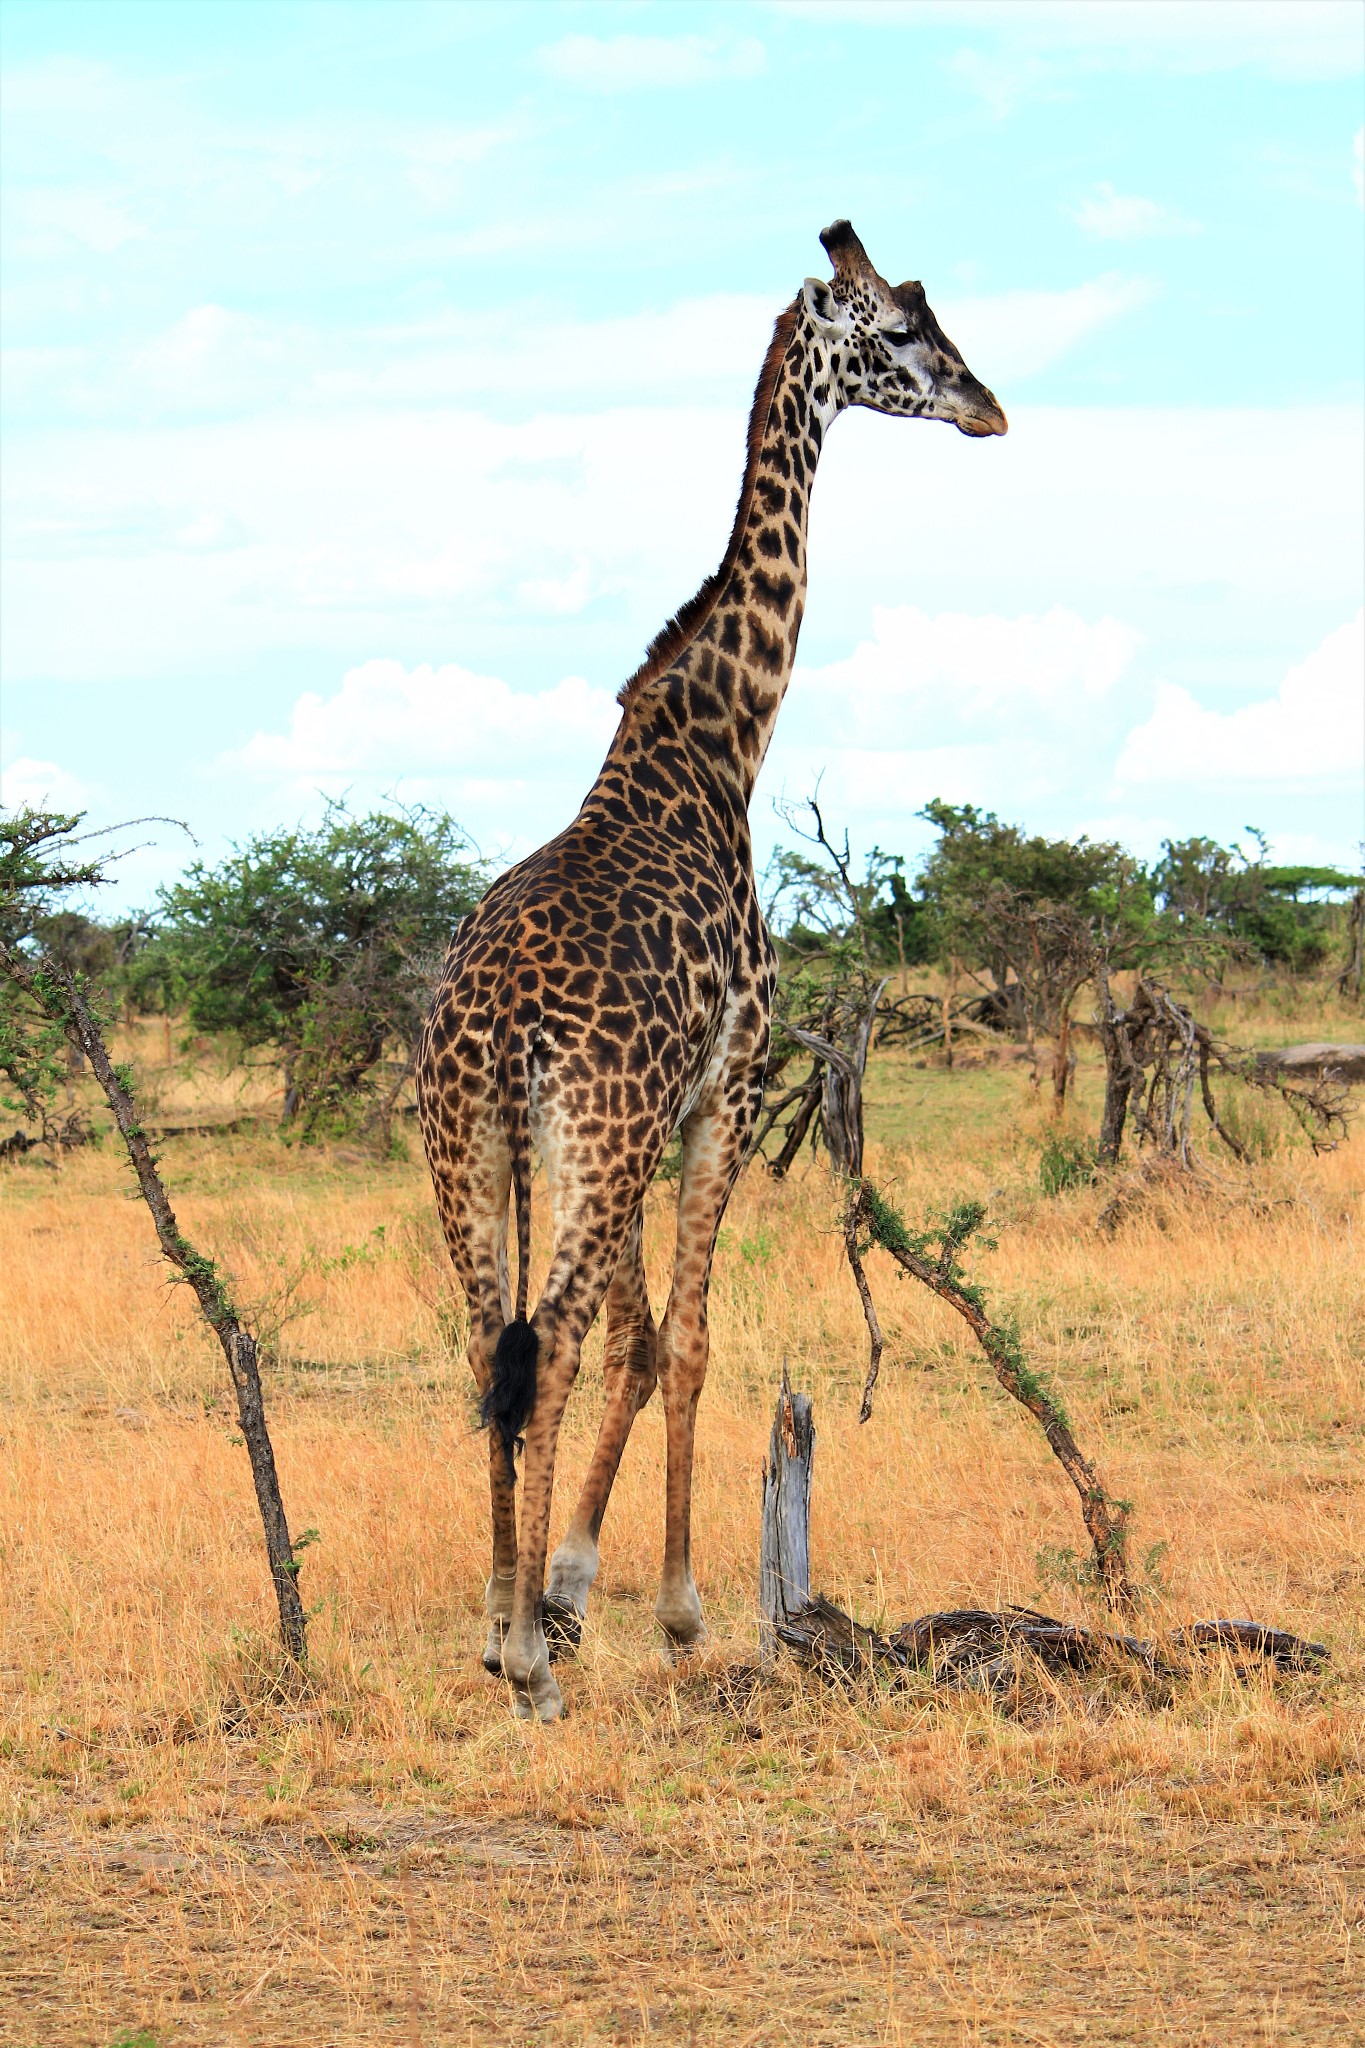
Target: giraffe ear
[821, 305]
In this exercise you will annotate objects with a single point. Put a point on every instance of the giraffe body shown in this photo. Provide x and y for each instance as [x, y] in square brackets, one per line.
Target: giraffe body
[615, 987]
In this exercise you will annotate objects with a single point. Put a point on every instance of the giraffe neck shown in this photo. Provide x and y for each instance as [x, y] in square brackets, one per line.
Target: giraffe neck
[707, 696]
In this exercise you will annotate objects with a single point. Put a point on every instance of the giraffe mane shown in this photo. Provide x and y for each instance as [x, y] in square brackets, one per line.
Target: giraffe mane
[669, 642]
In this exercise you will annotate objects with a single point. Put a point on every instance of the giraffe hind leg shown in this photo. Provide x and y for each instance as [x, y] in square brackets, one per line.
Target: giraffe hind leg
[471, 1198]
[629, 1371]
[591, 1233]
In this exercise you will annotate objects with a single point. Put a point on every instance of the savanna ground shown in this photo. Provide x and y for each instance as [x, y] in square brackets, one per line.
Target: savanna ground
[196, 1855]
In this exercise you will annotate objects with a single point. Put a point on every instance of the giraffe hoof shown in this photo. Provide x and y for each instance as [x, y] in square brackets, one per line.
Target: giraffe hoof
[542, 1701]
[563, 1625]
[492, 1649]
[526, 1667]
[679, 1649]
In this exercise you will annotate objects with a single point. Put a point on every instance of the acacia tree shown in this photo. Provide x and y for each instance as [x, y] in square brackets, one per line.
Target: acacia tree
[1245, 906]
[319, 947]
[43, 856]
[1032, 917]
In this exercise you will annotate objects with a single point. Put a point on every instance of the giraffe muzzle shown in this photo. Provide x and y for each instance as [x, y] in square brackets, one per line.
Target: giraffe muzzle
[980, 415]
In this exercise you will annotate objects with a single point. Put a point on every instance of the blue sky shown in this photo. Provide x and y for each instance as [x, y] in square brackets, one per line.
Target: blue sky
[374, 385]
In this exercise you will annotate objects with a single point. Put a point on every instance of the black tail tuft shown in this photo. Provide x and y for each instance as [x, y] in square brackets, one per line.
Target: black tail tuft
[507, 1405]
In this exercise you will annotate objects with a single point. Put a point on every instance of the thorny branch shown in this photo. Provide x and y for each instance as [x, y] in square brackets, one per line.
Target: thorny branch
[58, 993]
[870, 1219]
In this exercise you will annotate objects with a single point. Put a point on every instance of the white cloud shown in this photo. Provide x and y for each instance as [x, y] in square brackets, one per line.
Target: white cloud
[434, 723]
[1121, 217]
[1287, 38]
[629, 63]
[680, 349]
[414, 531]
[47, 219]
[966, 706]
[957, 665]
[560, 595]
[43, 784]
[1312, 731]
[97, 157]
[214, 359]
[880, 725]
[1156, 515]
[1013, 335]
[877, 791]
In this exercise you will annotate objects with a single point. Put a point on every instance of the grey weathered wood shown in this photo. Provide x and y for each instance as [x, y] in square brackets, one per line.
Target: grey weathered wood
[784, 1546]
[1301, 1062]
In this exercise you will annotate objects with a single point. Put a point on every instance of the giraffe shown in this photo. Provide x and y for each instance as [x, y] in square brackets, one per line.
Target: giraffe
[614, 988]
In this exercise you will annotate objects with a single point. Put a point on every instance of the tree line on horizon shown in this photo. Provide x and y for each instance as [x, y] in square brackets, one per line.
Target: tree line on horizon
[316, 947]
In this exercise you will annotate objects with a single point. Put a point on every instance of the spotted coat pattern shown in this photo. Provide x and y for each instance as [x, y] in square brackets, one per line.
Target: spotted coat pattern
[614, 987]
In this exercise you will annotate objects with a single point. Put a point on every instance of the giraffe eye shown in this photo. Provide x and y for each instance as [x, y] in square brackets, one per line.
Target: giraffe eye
[898, 337]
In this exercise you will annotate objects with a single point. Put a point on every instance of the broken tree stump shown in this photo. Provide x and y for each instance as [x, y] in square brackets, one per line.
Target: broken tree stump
[965, 1646]
[784, 1543]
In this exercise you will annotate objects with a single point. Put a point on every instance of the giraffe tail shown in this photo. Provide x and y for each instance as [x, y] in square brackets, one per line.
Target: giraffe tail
[511, 1394]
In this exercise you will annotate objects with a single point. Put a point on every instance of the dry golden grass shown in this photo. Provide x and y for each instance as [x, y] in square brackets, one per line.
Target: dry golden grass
[383, 1855]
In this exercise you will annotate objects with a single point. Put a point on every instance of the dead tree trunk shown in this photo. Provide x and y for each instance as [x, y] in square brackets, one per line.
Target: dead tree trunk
[1063, 1058]
[841, 1099]
[1155, 1052]
[806, 1098]
[1351, 980]
[1120, 1072]
[784, 1545]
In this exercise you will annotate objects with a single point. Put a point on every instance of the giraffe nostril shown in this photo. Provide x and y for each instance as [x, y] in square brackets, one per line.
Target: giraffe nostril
[977, 411]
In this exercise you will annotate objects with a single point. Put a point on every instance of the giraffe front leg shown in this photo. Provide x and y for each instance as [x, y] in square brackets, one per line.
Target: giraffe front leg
[682, 1373]
[629, 1372]
[714, 1142]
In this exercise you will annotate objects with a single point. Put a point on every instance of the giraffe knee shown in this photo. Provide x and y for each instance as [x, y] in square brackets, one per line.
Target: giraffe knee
[682, 1366]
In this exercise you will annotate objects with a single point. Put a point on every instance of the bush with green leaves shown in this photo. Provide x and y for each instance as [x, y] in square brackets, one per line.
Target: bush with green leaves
[1067, 1161]
[1245, 904]
[1032, 914]
[43, 857]
[318, 946]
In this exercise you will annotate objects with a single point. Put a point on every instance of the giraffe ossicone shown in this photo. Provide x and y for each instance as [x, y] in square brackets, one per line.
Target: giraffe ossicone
[614, 988]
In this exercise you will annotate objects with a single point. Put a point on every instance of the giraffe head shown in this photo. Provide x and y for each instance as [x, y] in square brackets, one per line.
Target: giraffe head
[886, 349]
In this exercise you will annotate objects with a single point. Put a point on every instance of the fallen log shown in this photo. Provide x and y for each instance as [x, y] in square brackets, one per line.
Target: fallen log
[1314, 1062]
[959, 1646]
[977, 1646]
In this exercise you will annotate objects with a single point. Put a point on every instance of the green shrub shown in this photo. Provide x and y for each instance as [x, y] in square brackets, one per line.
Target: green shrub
[1066, 1162]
